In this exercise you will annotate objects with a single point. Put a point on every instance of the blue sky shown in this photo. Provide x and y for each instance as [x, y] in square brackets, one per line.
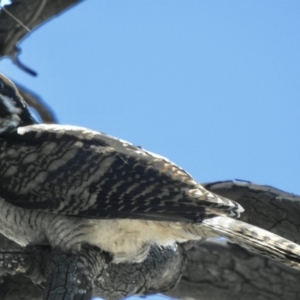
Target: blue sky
[212, 85]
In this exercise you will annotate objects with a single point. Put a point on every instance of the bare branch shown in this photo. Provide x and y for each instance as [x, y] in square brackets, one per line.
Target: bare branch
[36, 102]
[31, 13]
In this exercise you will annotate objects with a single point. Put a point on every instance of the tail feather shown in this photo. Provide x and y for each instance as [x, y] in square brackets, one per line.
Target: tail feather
[256, 239]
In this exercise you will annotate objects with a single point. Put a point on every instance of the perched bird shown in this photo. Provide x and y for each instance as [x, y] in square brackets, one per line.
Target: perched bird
[65, 186]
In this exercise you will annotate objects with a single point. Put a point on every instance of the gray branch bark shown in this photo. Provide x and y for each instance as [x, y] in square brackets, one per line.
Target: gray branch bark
[36, 102]
[218, 270]
[31, 13]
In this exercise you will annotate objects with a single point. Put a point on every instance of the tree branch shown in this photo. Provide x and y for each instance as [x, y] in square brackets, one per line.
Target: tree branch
[68, 276]
[36, 102]
[32, 13]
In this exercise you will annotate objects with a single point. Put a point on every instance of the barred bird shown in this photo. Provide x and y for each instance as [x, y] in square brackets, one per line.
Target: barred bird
[65, 186]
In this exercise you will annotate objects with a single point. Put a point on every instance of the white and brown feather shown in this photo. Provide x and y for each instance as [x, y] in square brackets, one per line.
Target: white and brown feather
[78, 172]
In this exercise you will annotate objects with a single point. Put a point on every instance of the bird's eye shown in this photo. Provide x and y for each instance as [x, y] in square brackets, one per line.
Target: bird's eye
[1, 85]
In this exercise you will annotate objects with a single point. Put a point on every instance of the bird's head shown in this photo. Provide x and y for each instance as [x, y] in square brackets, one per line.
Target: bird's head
[13, 109]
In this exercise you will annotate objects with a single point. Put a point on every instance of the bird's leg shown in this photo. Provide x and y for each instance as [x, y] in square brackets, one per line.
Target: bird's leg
[159, 272]
[58, 274]
[71, 276]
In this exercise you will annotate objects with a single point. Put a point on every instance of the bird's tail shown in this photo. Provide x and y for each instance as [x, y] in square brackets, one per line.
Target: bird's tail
[256, 239]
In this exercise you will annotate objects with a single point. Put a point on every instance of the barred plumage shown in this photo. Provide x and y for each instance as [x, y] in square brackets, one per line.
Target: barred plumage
[66, 185]
[13, 109]
[80, 172]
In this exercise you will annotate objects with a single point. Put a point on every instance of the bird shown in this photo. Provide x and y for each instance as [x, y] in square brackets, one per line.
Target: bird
[66, 186]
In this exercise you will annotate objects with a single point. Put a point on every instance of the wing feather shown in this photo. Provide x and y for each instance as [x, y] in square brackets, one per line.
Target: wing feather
[79, 172]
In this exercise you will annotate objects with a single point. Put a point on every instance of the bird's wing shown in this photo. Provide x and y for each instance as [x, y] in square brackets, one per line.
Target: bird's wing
[75, 171]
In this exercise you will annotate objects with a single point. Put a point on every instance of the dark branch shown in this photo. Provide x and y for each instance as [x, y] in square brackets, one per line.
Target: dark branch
[219, 270]
[32, 13]
[36, 102]
[90, 272]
